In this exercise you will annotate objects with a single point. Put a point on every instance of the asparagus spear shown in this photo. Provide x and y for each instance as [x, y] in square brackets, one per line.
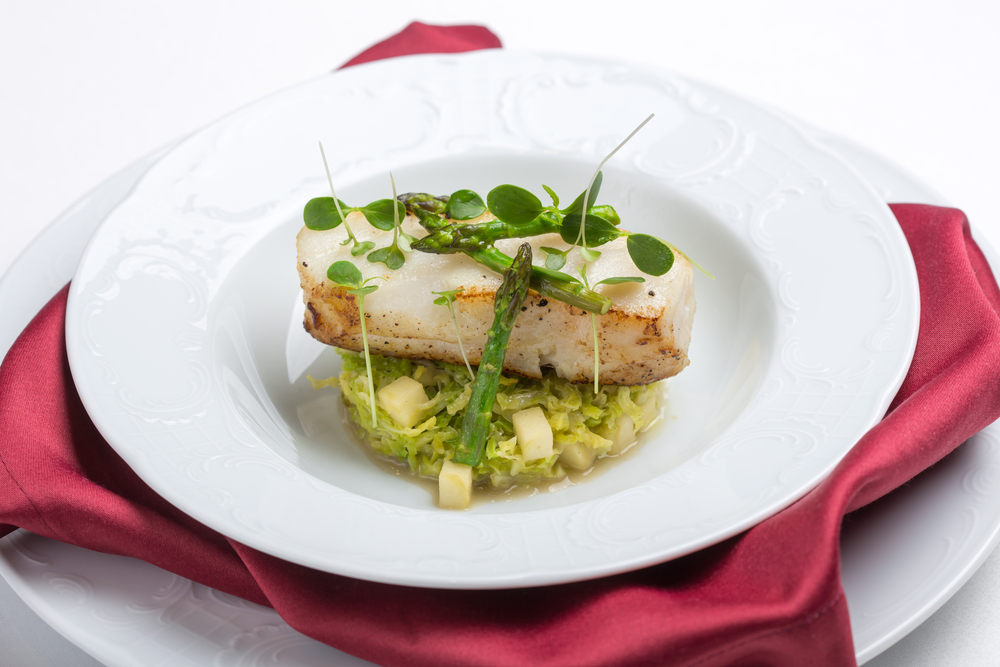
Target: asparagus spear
[548, 283]
[506, 306]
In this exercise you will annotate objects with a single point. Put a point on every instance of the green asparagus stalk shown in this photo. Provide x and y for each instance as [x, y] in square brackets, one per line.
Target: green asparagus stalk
[506, 306]
[471, 237]
[548, 283]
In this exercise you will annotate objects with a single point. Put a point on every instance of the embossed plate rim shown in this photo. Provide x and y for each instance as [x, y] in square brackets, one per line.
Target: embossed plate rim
[432, 541]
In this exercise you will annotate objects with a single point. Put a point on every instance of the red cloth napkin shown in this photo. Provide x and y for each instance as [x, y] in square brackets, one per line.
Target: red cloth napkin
[771, 596]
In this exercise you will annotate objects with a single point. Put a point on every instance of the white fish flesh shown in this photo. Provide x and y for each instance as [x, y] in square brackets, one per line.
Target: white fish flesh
[643, 338]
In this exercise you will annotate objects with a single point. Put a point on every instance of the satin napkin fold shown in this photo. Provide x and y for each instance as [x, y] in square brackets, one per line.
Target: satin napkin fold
[770, 596]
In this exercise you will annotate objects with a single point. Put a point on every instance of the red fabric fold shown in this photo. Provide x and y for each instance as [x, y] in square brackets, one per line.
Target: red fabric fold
[771, 596]
[422, 38]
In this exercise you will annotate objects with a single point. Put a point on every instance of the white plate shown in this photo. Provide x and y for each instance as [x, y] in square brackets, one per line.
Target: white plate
[901, 560]
[183, 337]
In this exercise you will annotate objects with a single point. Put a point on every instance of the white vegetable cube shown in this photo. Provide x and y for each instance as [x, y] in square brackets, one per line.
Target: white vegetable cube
[404, 399]
[622, 435]
[454, 486]
[650, 409]
[534, 435]
[577, 455]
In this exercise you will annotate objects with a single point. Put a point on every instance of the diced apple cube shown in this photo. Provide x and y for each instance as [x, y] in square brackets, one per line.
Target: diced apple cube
[622, 435]
[404, 399]
[454, 486]
[650, 409]
[578, 455]
[534, 435]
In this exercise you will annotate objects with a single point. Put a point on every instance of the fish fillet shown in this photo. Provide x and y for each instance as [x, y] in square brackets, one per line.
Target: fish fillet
[643, 338]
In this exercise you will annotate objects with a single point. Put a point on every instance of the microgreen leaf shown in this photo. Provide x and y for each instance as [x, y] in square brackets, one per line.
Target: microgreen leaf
[650, 254]
[405, 241]
[607, 212]
[447, 297]
[589, 254]
[363, 291]
[595, 182]
[465, 205]
[555, 259]
[321, 214]
[344, 273]
[599, 230]
[577, 204]
[620, 280]
[553, 274]
[513, 205]
[553, 195]
[391, 256]
[360, 248]
[379, 214]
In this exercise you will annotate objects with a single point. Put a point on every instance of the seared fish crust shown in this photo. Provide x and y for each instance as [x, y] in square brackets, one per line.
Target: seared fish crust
[644, 337]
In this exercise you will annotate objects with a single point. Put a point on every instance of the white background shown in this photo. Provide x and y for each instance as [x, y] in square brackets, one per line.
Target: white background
[87, 88]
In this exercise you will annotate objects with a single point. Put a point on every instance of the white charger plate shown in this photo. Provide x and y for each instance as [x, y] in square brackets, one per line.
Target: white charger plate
[184, 341]
[901, 559]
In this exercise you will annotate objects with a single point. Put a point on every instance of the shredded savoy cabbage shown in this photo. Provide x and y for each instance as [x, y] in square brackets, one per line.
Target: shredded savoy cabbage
[575, 413]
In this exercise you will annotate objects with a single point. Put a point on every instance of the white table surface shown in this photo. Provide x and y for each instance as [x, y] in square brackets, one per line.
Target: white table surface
[89, 87]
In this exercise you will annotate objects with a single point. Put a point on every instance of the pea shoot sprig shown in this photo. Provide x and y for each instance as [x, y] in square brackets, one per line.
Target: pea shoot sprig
[582, 270]
[392, 255]
[328, 212]
[345, 274]
[448, 299]
[322, 213]
[587, 253]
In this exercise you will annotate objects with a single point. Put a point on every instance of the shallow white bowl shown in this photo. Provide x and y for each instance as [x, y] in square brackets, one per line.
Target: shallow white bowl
[183, 318]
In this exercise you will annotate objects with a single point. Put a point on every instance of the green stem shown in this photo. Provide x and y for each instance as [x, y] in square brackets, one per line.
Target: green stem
[336, 202]
[506, 306]
[458, 335]
[465, 237]
[368, 358]
[597, 354]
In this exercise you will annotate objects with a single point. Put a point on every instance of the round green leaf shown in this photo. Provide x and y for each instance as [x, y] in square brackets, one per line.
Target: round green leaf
[607, 212]
[390, 256]
[344, 273]
[513, 205]
[650, 254]
[320, 213]
[555, 259]
[379, 213]
[363, 291]
[599, 230]
[362, 248]
[465, 205]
